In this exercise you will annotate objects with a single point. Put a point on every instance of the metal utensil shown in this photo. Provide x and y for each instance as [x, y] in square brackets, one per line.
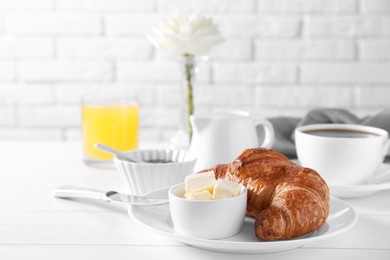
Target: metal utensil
[115, 152]
[73, 192]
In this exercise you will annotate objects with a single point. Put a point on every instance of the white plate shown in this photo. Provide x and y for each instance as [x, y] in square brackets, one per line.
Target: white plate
[370, 187]
[341, 218]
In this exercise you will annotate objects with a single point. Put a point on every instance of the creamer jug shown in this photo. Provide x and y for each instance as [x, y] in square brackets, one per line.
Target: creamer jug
[220, 137]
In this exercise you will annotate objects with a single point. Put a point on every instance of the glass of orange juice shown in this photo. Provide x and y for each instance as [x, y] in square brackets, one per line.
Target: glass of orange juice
[113, 121]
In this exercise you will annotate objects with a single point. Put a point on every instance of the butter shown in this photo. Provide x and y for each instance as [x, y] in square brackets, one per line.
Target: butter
[199, 182]
[226, 189]
[202, 195]
[203, 186]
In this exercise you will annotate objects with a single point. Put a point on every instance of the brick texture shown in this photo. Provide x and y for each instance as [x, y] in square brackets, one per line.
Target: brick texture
[348, 26]
[258, 26]
[304, 96]
[254, 73]
[236, 6]
[279, 58]
[52, 116]
[7, 70]
[52, 24]
[64, 70]
[130, 24]
[346, 73]
[307, 6]
[19, 47]
[366, 97]
[304, 50]
[375, 6]
[104, 48]
[105, 5]
[233, 50]
[26, 5]
[27, 94]
[7, 115]
[375, 50]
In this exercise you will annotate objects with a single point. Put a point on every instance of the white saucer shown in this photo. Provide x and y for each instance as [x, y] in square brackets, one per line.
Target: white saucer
[341, 218]
[365, 189]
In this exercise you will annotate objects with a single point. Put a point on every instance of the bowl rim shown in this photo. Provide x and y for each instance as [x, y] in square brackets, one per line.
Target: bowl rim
[191, 157]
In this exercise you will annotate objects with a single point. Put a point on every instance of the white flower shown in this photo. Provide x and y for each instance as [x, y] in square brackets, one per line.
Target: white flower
[183, 34]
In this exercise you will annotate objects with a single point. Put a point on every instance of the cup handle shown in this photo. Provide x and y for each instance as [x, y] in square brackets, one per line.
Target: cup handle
[386, 147]
[269, 137]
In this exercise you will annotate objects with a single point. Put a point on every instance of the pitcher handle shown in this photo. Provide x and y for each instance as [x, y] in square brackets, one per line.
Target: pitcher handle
[269, 131]
[386, 147]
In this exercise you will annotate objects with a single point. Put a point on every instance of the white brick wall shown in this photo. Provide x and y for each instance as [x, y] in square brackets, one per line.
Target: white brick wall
[281, 57]
[105, 5]
[254, 72]
[7, 115]
[57, 116]
[304, 50]
[375, 6]
[27, 94]
[375, 50]
[16, 47]
[293, 96]
[26, 5]
[7, 70]
[104, 48]
[64, 70]
[348, 26]
[52, 23]
[129, 24]
[346, 73]
[237, 6]
[307, 6]
[254, 25]
[233, 50]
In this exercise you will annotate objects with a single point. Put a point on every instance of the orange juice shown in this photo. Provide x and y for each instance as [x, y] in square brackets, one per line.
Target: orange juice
[113, 125]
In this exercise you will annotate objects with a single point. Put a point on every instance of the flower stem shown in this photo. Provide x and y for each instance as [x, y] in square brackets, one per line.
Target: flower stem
[189, 69]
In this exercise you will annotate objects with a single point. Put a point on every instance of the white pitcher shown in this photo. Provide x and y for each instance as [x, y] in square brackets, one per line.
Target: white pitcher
[220, 137]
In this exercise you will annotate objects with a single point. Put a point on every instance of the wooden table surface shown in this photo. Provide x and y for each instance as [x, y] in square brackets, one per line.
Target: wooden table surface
[35, 225]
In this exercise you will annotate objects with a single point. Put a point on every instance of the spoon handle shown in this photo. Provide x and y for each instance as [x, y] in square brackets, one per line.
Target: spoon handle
[73, 192]
[108, 149]
[114, 152]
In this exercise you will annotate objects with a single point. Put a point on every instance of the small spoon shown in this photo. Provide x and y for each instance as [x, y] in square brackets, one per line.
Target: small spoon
[115, 152]
[73, 192]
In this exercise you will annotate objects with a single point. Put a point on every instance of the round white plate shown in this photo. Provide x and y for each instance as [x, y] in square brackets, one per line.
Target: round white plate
[341, 218]
[378, 182]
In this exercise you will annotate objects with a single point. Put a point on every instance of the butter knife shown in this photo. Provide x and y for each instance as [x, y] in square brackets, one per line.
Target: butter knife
[73, 192]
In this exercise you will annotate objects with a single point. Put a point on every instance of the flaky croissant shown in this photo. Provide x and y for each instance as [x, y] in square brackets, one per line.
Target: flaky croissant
[285, 199]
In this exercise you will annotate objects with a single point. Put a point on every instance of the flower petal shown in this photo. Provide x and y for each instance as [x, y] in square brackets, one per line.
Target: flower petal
[183, 34]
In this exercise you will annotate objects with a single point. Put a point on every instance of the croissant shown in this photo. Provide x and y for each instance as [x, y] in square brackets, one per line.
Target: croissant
[285, 199]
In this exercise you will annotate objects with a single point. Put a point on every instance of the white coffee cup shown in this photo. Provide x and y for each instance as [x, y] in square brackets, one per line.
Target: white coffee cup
[343, 154]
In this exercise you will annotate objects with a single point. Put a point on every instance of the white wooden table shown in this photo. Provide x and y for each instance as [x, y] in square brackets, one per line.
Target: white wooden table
[35, 225]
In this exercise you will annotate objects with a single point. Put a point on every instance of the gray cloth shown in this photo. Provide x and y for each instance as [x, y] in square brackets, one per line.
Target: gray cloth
[285, 126]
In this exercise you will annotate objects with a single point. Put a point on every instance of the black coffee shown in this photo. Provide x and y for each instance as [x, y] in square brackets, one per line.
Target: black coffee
[341, 133]
[159, 161]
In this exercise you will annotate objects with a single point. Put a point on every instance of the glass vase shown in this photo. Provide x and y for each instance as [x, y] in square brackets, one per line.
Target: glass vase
[188, 70]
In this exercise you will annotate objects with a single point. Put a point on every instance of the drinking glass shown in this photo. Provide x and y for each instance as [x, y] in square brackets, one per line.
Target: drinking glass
[110, 120]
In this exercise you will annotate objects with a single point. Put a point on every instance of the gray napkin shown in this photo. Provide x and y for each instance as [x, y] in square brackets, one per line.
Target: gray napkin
[285, 126]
